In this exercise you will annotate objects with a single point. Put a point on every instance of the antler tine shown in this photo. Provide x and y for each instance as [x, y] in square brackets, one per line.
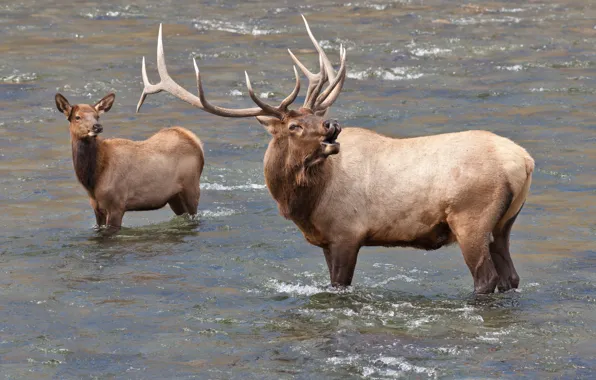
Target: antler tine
[290, 99]
[221, 111]
[330, 95]
[326, 62]
[313, 79]
[259, 102]
[166, 83]
[310, 101]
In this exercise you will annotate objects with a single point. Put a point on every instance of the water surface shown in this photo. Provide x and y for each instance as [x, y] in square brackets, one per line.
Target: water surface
[239, 293]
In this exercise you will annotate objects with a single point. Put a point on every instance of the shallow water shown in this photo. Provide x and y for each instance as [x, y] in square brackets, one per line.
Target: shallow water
[239, 293]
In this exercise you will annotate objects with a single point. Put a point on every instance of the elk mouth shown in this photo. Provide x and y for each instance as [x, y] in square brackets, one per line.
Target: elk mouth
[329, 144]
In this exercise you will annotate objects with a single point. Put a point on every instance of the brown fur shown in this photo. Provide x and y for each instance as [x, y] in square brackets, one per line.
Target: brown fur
[422, 192]
[123, 175]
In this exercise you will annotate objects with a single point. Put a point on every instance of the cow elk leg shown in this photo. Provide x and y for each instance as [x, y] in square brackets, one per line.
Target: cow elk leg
[100, 216]
[342, 257]
[499, 251]
[114, 221]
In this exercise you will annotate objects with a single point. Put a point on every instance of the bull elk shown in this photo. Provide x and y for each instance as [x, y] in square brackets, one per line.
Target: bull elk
[423, 192]
[123, 175]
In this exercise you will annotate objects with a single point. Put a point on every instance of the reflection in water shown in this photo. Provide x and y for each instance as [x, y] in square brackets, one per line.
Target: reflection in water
[239, 291]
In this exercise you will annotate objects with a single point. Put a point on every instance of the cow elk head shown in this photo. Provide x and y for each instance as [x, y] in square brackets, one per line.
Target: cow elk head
[84, 118]
[304, 133]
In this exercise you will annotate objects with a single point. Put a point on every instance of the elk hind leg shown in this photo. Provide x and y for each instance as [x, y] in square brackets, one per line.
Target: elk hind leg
[499, 250]
[190, 198]
[177, 205]
[473, 237]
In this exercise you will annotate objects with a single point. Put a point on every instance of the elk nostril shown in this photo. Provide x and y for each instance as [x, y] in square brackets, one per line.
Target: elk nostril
[326, 124]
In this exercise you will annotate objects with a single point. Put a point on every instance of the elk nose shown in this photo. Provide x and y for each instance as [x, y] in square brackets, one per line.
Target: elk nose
[330, 123]
[97, 128]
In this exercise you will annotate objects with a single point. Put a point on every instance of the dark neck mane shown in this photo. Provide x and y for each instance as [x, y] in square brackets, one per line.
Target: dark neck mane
[296, 188]
[85, 158]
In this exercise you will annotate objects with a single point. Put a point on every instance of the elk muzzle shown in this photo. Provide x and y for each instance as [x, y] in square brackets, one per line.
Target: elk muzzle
[95, 130]
[330, 145]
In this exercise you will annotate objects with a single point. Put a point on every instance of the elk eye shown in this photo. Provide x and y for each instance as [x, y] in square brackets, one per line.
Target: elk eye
[78, 117]
[294, 127]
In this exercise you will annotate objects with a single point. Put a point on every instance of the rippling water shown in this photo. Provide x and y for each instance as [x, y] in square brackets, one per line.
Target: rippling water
[239, 293]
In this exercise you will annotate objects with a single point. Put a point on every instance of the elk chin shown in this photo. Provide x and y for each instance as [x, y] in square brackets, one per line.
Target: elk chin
[329, 148]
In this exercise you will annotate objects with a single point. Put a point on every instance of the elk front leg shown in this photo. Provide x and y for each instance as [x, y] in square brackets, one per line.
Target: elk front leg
[114, 221]
[100, 216]
[341, 259]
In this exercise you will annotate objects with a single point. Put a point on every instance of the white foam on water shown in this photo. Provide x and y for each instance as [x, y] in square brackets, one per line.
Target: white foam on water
[220, 187]
[236, 93]
[396, 73]
[416, 323]
[19, 78]
[336, 360]
[377, 7]
[512, 10]
[480, 20]
[493, 336]
[405, 366]
[232, 27]
[295, 289]
[219, 212]
[511, 68]
[401, 277]
[421, 52]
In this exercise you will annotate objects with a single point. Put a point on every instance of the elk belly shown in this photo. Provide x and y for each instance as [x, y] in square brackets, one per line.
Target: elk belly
[425, 237]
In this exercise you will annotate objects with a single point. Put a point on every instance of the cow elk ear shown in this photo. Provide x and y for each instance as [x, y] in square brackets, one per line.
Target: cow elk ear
[63, 105]
[271, 124]
[105, 104]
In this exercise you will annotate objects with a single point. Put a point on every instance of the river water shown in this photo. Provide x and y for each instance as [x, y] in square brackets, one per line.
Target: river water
[239, 293]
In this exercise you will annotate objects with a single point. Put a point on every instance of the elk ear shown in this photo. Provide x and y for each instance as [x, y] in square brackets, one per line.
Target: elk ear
[63, 105]
[105, 104]
[271, 124]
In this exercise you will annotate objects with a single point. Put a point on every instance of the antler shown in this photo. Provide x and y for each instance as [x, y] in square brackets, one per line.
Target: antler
[314, 100]
[167, 84]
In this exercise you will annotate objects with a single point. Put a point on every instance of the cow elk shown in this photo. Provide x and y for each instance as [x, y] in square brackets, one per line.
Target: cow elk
[373, 190]
[123, 175]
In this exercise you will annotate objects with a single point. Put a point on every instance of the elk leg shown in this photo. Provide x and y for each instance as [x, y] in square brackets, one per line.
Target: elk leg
[343, 257]
[479, 261]
[190, 198]
[327, 253]
[473, 238]
[114, 221]
[100, 216]
[177, 205]
[499, 250]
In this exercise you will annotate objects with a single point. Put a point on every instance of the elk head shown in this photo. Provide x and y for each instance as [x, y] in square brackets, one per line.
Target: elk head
[84, 118]
[304, 134]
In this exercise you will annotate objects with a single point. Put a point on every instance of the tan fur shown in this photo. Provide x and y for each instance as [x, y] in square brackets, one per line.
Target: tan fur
[131, 175]
[422, 192]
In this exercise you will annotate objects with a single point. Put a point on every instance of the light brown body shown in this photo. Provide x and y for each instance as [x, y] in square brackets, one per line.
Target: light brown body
[356, 188]
[123, 175]
[422, 192]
